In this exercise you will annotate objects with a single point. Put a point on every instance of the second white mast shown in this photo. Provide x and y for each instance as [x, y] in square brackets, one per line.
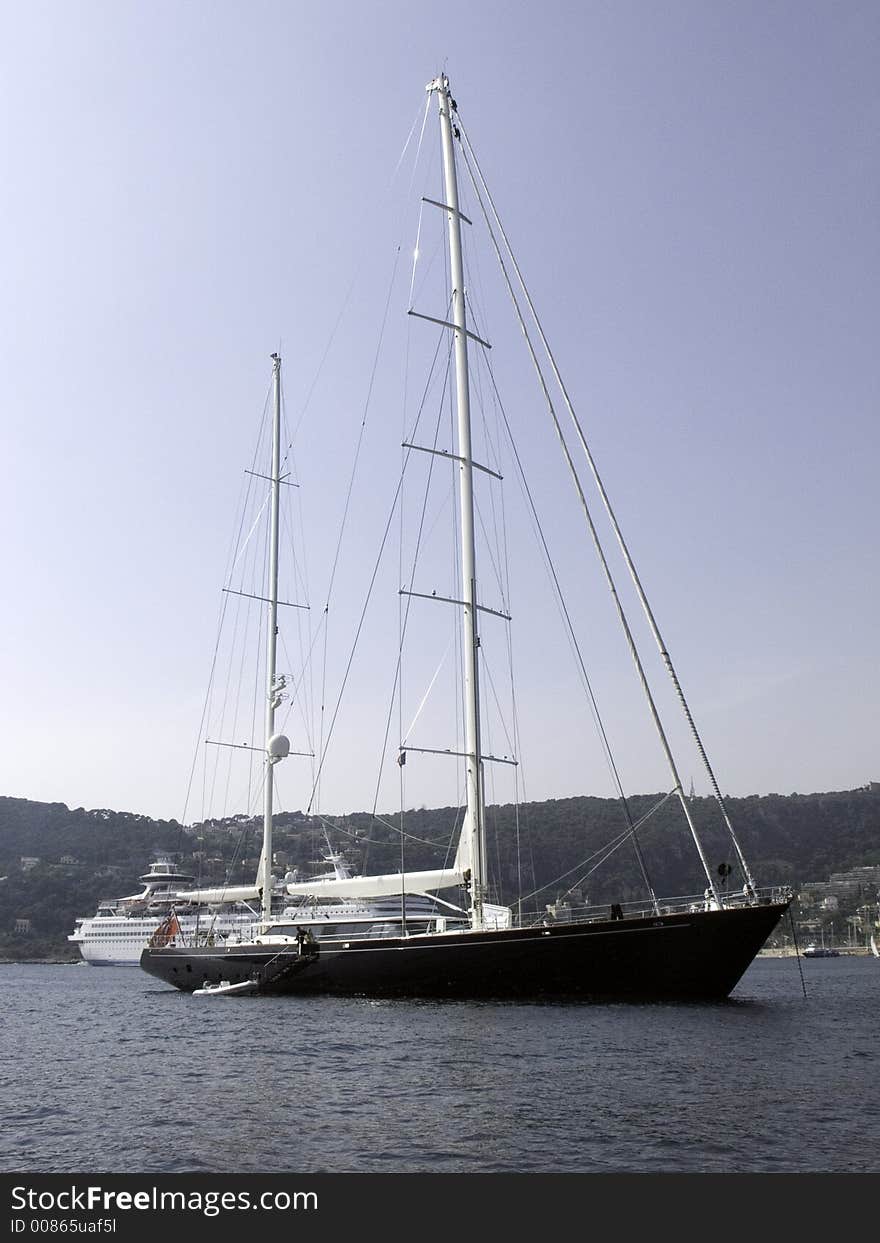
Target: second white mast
[274, 751]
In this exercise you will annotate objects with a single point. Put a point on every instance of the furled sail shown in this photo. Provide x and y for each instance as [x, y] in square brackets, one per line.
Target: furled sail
[379, 886]
[391, 882]
[226, 893]
[348, 887]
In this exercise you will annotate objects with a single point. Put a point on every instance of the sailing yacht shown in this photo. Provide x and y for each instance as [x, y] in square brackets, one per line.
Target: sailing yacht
[694, 947]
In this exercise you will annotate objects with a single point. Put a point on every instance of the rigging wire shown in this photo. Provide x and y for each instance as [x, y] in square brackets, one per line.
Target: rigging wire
[518, 772]
[436, 844]
[404, 734]
[604, 852]
[406, 608]
[303, 703]
[664, 653]
[493, 457]
[235, 540]
[600, 553]
[356, 276]
[325, 743]
[572, 636]
[346, 507]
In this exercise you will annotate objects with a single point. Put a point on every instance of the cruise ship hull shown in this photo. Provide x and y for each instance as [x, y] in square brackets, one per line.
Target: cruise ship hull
[695, 955]
[120, 941]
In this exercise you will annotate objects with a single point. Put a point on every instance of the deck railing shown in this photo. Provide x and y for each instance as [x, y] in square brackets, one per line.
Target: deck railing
[554, 914]
[643, 908]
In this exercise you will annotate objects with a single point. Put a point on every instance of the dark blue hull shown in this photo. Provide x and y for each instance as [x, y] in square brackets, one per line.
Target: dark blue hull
[697, 955]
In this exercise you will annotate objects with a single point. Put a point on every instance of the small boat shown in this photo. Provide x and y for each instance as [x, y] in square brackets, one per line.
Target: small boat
[226, 989]
[819, 951]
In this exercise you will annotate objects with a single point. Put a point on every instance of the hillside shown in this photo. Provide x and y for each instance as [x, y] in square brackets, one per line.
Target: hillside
[57, 862]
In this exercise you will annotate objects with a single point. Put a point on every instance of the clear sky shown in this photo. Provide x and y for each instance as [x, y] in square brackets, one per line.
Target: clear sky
[692, 191]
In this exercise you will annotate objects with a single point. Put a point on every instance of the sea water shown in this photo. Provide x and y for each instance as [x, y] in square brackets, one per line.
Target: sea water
[106, 1070]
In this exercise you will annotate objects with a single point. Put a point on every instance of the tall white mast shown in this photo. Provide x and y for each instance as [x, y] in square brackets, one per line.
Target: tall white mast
[474, 761]
[274, 751]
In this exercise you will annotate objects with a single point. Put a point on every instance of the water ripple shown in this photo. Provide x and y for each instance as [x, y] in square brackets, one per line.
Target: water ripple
[101, 1070]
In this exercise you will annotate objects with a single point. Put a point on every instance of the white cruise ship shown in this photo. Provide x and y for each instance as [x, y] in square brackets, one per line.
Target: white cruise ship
[119, 932]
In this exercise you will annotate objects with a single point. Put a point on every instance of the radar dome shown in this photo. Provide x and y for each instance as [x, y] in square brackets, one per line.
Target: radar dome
[279, 747]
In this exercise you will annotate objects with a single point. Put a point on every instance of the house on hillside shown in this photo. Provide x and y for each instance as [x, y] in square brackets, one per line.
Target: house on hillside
[854, 883]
